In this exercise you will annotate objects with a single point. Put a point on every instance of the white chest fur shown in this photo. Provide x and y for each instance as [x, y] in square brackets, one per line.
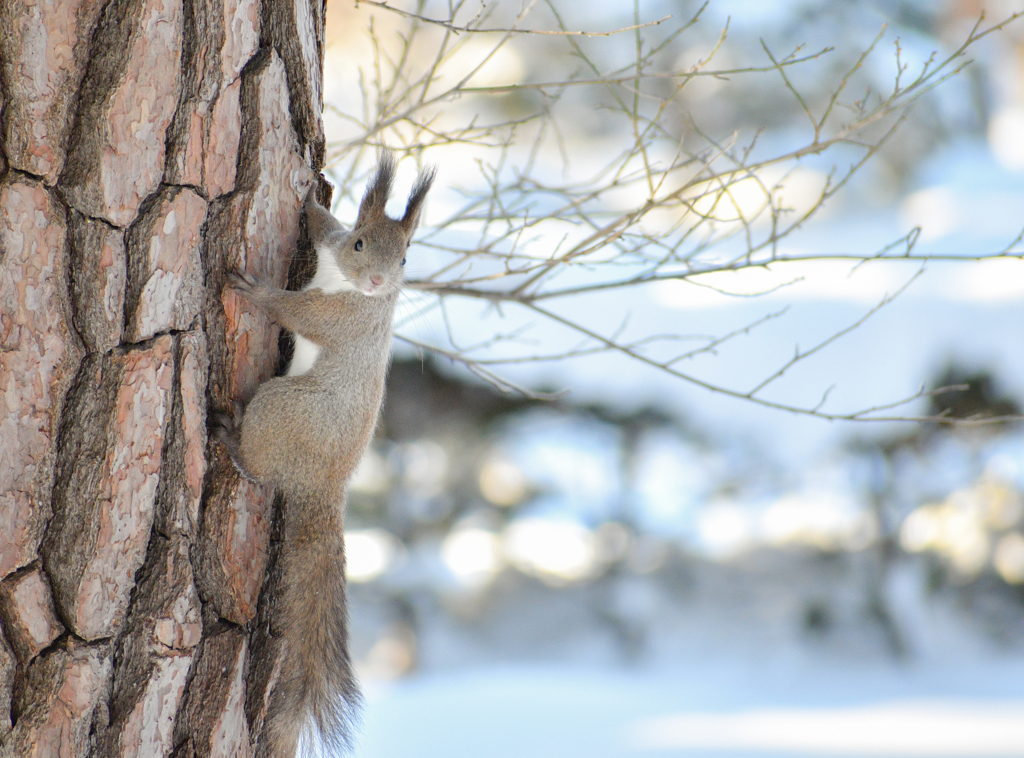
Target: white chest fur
[329, 278]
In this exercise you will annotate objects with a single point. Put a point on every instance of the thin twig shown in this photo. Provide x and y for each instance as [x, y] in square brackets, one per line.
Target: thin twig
[477, 30]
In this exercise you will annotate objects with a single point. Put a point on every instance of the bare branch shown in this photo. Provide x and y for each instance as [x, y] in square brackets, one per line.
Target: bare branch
[479, 30]
[656, 197]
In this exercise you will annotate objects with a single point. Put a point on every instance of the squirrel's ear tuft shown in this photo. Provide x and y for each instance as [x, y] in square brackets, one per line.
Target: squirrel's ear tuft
[320, 224]
[378, 190]
[416, 197]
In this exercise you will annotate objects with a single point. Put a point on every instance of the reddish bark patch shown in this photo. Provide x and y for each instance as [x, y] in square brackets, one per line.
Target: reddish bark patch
[221, 156]
[233, 546]
[30, 619]
[296, 30]
[149, 727]
[100, 265]
[165, 287]
[107, 486]
[8, 667]
[155, 655]
[38, 358]
[212, 721]
[183, 467]
[128, 99]
[56, 706]
[205, 136]
[46, 46]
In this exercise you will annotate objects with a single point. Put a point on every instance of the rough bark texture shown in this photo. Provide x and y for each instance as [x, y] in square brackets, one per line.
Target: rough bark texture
[147, 147]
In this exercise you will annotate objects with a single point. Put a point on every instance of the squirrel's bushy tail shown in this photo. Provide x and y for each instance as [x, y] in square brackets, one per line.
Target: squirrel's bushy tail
[316, 693]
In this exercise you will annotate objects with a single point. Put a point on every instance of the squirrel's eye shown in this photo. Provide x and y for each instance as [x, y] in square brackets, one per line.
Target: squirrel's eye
[403, 261]
[359, 245]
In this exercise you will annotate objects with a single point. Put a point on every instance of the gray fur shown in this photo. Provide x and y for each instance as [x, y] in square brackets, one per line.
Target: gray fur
[306, 434]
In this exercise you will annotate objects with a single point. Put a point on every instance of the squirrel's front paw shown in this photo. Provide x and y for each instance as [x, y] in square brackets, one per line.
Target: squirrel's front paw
[245, 284]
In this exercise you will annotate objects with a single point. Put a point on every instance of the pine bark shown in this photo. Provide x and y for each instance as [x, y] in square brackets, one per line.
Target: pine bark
[147, 148]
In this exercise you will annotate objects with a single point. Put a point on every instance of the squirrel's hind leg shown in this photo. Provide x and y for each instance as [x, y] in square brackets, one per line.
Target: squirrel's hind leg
[226, 430]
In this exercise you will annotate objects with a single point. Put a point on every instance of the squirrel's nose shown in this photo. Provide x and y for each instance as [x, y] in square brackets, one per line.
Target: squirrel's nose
[376, 280]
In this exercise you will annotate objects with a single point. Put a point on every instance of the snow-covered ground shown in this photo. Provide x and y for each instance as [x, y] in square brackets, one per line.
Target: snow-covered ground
[717, 708]
[774, 656]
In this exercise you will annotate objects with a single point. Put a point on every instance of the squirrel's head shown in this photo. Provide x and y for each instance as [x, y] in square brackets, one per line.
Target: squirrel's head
[372, 254]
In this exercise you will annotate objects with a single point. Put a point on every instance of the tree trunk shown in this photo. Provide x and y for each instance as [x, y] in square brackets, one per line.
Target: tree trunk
[148, 148]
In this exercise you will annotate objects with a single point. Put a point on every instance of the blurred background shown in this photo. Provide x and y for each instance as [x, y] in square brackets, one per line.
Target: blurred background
[617, 561]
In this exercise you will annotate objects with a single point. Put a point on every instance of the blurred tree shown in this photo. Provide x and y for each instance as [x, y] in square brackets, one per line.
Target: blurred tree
[977, 398]
[959, 394]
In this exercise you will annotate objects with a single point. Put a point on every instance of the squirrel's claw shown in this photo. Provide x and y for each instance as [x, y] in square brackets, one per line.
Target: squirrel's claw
[242, 282]
[225, 424]
[226, 428]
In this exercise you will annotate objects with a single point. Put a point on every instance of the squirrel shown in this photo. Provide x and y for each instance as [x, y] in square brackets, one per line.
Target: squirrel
[306, 432]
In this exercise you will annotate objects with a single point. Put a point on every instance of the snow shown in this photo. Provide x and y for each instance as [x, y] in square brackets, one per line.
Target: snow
[801, 707]
[706, 659]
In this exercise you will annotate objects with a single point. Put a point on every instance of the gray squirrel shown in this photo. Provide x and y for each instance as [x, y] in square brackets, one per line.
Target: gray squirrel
[306, 432]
